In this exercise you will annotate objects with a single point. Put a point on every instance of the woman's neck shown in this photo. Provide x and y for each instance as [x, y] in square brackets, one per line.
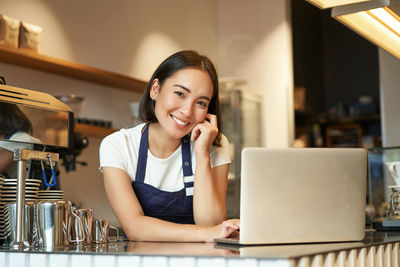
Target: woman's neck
[161, 144]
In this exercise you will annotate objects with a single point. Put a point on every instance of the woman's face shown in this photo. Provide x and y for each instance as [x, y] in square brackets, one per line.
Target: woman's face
[182, 101]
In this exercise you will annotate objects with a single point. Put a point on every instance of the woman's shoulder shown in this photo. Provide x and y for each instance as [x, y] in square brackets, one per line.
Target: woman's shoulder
[222, 154]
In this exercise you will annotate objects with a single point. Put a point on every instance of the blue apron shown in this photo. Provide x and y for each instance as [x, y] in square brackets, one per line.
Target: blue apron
[174, 207]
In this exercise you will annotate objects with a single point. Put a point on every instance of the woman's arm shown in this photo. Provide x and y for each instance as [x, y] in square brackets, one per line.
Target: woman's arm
[139, 227]
[209, 183]
[209, 192]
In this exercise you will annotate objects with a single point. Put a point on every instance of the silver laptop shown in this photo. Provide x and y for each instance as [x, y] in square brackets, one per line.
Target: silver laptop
[305, 195]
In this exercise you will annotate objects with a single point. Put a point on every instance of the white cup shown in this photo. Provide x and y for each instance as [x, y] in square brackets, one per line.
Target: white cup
[394, 170]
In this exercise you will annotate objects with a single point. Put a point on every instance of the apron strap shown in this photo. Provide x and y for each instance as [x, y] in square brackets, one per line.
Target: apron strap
[188, 177]
[186, 160]
[142, 159]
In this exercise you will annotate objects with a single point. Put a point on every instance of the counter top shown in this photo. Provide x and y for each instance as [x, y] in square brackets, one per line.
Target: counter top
[216, 250]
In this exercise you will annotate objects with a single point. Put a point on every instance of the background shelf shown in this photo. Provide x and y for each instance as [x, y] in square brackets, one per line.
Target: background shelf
[33, 60]
[93, 131]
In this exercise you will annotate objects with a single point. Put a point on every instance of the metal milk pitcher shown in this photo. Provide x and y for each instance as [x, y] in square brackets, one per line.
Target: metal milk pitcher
[54, 224]
[100, 231]
[11, 229]
[86, 218]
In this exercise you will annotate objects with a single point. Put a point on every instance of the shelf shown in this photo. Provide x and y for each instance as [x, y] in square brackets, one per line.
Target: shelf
[93, 131]
[348, 120]
[33, 60]
[346, 135]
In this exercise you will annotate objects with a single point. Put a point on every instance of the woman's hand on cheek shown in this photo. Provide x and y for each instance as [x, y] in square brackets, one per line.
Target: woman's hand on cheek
[204, 134]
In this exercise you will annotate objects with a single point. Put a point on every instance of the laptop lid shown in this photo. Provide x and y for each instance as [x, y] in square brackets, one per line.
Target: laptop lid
[302, 195]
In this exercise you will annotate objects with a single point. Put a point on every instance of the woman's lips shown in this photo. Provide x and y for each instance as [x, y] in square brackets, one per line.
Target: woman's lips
[178, 121]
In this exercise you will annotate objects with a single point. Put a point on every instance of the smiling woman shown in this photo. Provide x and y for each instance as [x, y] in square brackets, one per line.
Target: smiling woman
[182, 102]
[166, 179]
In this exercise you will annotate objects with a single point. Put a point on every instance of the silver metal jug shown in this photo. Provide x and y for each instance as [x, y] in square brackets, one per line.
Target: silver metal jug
[86, 217]
[54, 222]
[11, 226]
[100, 232]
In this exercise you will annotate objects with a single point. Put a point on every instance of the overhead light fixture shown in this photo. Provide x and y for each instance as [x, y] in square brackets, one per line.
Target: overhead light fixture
[322, 4]
[376, 20]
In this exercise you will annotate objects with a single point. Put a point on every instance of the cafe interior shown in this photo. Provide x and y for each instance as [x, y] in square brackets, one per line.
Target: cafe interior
[292, 74]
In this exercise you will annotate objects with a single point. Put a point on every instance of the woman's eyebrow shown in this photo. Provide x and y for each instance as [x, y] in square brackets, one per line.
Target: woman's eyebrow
[188, 90]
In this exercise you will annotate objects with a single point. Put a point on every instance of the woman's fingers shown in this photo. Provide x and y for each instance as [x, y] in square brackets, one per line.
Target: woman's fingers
[195, 133]
[208, 126]
[234, 234]
[212, 119]
[204, 134]
[234, 223]
[230, 226]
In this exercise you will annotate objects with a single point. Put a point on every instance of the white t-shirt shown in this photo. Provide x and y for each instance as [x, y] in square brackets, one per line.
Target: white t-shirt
[121, 150]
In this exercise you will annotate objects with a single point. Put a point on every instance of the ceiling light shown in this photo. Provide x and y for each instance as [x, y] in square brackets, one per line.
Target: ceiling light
[377, 21]
[331, 3]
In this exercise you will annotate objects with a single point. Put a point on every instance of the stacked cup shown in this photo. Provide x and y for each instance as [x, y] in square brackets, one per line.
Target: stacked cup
[8, 198]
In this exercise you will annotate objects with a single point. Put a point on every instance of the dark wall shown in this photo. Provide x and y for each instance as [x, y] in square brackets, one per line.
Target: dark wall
[334, 63]
[308, 54]
[351, 66]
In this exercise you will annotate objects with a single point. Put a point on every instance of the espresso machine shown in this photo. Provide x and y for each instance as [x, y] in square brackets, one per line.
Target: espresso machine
[50, 133]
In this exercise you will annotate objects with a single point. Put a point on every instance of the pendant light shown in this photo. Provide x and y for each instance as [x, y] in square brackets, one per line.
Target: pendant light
[376, 20]
[322, 4]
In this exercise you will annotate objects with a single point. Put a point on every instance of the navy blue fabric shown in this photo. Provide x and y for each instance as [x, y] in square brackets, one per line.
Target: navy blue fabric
[142, 159]
[186, 159]
[169, 206]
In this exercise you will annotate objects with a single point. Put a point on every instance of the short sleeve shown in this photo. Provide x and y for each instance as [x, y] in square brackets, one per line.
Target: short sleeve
[111, 152]
[221, 155]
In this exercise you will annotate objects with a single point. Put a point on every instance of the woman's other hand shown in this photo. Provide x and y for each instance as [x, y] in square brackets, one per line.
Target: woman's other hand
[204, 134]
[228, 228]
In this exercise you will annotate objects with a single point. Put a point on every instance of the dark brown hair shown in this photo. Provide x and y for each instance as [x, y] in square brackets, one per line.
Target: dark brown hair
[175, 62]
[13, 120]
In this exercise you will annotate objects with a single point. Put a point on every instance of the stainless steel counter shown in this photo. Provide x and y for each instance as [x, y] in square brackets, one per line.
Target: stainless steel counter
[377, 249]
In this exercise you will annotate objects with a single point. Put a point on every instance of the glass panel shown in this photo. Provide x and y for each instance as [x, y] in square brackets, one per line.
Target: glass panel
[24, 124]
[382, 177]
[251, 123]
[241, 124]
